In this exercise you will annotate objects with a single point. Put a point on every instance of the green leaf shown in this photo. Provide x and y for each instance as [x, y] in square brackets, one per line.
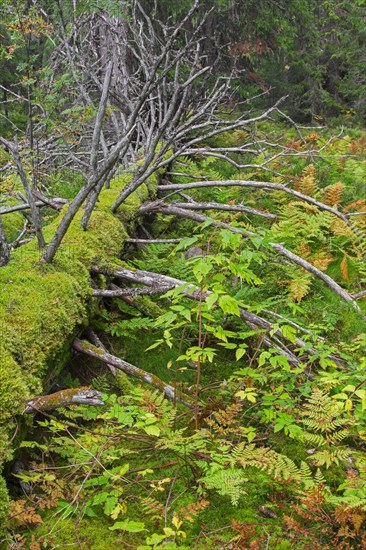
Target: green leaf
[154, 345]
[152, 430]
[229, 305]
[201, 268]
[211, 299]
[263, 358]
[289, 332]
[129, 526]
[155, 539]
[239, 353]
[186, 243]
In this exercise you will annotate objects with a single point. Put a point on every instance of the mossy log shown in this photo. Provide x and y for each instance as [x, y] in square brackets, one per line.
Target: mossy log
[70, 396]
[43, 307]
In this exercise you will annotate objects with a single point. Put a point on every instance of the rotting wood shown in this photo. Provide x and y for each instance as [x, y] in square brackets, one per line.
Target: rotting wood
[63, 398]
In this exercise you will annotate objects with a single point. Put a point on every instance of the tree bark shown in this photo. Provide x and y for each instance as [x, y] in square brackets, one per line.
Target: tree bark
[63, 398]
[4, 248]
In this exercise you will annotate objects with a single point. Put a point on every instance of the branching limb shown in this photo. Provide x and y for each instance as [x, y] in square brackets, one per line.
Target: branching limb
[159, 289]
[4, 248]
[223, 207]
[13, 147]
[253, 320]
[93, 338]
[56, 204]
[168, 210]
[257, 185]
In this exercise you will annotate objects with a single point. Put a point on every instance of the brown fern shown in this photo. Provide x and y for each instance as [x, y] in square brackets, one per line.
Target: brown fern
[344, 267]
[307, 183]
[190, 512]
[321, 259]
[333, 193]
[359, 206]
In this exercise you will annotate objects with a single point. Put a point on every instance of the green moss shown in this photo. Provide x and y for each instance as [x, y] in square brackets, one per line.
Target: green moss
[4, 503]
[44, 306]
[94, 532]
[13, 224]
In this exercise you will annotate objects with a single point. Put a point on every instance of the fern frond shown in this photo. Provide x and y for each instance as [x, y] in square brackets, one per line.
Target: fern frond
[333, 194]
[344, 267]
[228, 483]
[151, 507]
[299, 286]
[328, 457]
[276, 464]
[322, 413]
[307, 183]
[316, 440]
[321, 259]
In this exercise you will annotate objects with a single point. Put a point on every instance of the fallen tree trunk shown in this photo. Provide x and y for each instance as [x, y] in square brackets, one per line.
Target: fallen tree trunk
[43, 307]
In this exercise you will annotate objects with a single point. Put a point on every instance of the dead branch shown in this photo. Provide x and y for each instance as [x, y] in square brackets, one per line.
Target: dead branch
[257, 185]
[253, 320]
[4, 248]
[64, 398]
[223, 207]
[56, 203]
[131, 291]
[359, 295]
[153, 241]
[14, 149]
[93, 338]
[53, 203]
[171, 393]
[169, 210]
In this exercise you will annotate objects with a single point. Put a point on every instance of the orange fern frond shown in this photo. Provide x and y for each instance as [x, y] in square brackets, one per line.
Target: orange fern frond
[359, 206]
[333, 193]
[304, 250]
[340, 228]
[321, 260]
[307, 183]
[344, 268]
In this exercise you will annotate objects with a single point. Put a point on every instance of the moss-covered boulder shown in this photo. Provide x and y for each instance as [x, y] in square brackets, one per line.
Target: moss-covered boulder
[42, 307]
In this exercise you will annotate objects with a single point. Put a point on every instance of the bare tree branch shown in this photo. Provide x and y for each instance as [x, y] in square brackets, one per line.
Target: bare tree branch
[171, 393]
[13, 147]
[64, 398]
[4, 248]
[256, 185]
[168, 210]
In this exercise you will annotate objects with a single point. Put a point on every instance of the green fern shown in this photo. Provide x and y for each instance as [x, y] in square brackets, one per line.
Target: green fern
[228, 483]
